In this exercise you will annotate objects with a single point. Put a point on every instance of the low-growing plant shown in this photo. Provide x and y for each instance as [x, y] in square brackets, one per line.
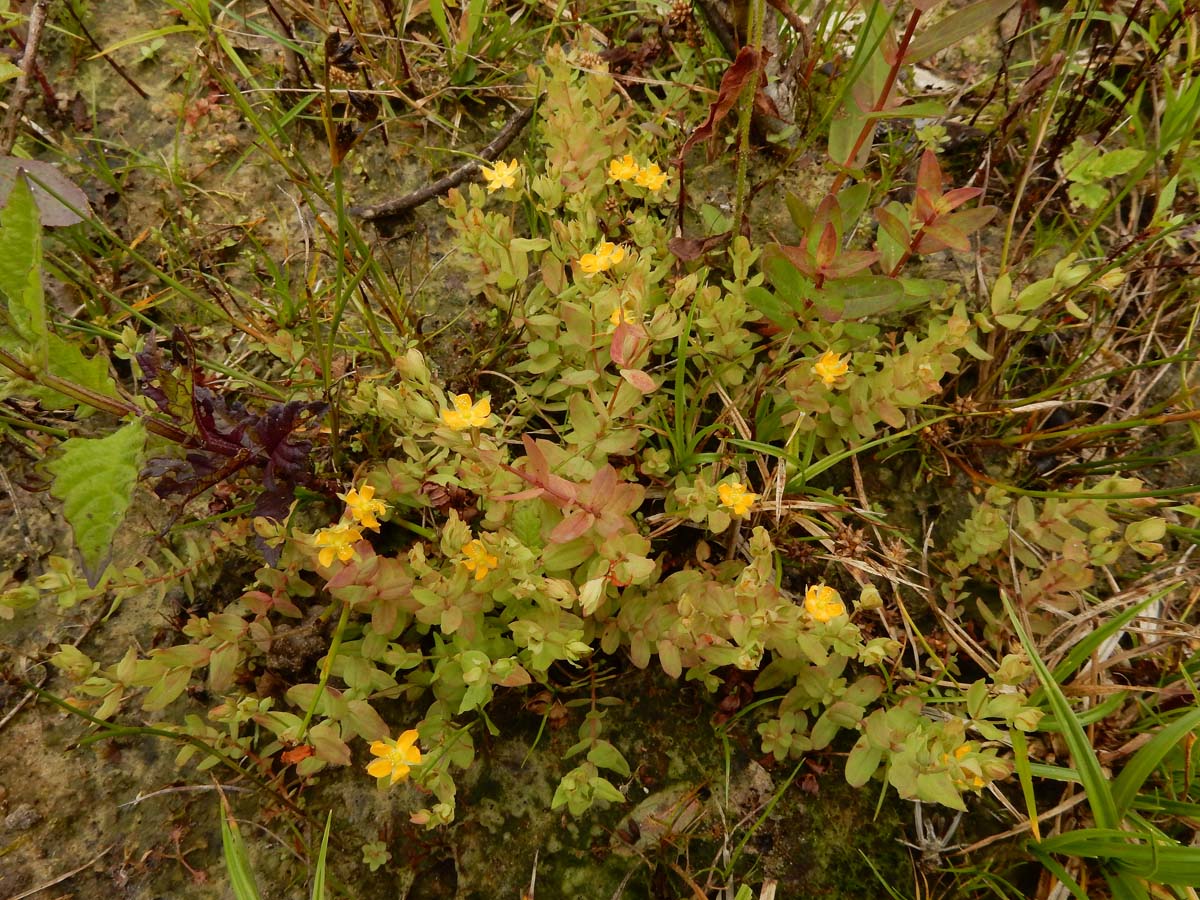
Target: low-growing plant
[650, 468]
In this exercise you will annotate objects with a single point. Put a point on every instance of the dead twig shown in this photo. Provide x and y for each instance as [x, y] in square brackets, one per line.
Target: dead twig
[411, 201]
[63, 877]
[116, 66]
[21, 90]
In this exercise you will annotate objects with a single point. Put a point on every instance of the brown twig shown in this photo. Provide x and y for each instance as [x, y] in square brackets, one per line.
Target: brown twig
[112, 405]
[21, 90]
[116, 66]
[64, 877]
[411, 201]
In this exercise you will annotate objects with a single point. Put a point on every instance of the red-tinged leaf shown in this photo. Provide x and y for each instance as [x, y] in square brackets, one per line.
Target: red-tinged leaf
[688, 249]
[328, 744]
[827, 247]
[561, 491]
[851, 262]
[942, 236]
[888, 46]
[626, 340]
[522, 495]
[968, 221]
[929, 175]
[364, 721]
[603, 483]
[955, 198]
[518, 677]
[538, 467]
[747, 65]
[925, 206]
[573, 526]
[897, 230]
[799, 257]
[828, 212]
[639, 380]
[764, 105]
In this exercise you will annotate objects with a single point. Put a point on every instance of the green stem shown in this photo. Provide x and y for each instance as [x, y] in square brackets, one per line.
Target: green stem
[754, 40]
[80, 394]
[326, 669]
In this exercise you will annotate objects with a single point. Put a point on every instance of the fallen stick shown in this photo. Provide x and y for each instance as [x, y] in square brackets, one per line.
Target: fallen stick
[21, 90]
[411, 201]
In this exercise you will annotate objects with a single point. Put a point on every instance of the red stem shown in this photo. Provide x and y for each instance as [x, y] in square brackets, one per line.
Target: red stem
[888, 84]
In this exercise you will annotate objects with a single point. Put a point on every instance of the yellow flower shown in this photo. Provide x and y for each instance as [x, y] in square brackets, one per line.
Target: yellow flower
[606, 256]
[830, 367]
[478, 560]
[396, 757]
[734, 495]
[363, 506]
[501, 175]
[622, 169]
[466, 415]
[823, 603]
[623, 314]
[337, 540]
[652, 177]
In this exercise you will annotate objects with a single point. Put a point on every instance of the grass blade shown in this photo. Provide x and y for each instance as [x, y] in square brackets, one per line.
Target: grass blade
[318, 891]
[1146, 760]
[241, 875]
[1095, 785]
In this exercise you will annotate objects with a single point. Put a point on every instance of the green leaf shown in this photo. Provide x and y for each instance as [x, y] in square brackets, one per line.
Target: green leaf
[862, 295]
[318, 891]
[1095, 785]
[937, 787]
[241, 875]
[1118, 162]
[974, 19]
[1138, 769]
[21, 270]
[94, 478]
[863, 762]
[67, 361]
[167, 689]
[605, 756]
[605, 790]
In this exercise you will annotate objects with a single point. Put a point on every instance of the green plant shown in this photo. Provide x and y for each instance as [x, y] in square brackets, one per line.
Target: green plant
[652, 437]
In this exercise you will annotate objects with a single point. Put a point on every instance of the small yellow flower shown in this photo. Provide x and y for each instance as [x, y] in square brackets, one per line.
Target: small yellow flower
[652, 177]
[396, 757]
[830, 367]
[623, 169]
[478, 560]
[337, 540]
[363, 506]
[734, 495]
[606, 256]
[501, 175]
[823, 603]
[465, 414]
[623, 314]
